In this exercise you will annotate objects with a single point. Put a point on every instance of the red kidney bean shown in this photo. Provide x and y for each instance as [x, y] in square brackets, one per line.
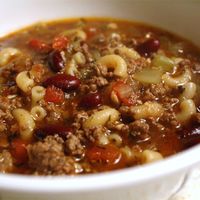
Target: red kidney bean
[66, 83]
[91, 100]
[56, 61]
[62, 131]
[191, 136]
[148, 47]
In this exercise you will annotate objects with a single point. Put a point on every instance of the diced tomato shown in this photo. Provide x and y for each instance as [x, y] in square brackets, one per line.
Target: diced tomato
[18, 150]
[39, 45]
[37, 71]
[54, 95]
[108, 154]
[125, 93]
[60, 43]
[90, 31]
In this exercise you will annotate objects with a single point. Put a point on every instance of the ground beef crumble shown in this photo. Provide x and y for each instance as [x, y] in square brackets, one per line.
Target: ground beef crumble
[6, 162]
[48, 158]
[73, 146]
[139, 129]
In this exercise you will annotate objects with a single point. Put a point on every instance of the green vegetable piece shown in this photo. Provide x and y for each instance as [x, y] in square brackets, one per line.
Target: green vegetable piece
[149, 75]
[164, 63]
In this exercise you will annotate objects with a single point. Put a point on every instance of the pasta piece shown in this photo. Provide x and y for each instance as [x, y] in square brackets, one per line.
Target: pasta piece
[188, 108]
[177, 81]
[71, 68]
[148, 156]
[114, 98]
[7, 54]
[103, 140]
[148, 109]
[37, 93]
[127, 151]
[117, 139]
[101, 117]
[128, 52]
[26, 123]
[115, 62]
[79, 58]
[24, 82]
[190, 91]
[112, 26]
[38, 113]
[78, 33]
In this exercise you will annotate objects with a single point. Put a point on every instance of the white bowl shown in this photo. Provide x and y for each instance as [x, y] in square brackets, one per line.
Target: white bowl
[156, 181]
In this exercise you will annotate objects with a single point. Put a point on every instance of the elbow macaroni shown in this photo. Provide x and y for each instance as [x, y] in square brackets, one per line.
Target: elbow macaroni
[115, 138]
[103, 140]
[114, 62]
[38, 113]
[26, 123]
[24, 82]
[79, 58]
[7, 54]
[188, 108]
[37, 94]
[176, 81]
[189, 91]
[127, 152]
[148, 109]
[101, 117]
[71, 68]
[128, 52]
[148, 156]
[75, 33]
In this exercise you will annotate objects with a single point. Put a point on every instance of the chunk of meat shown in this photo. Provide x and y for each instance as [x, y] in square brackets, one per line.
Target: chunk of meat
[48, 158]
[159, 90]
[169, 119]
[94, 135]
[6, 162]
[139, 129]
[73, 146]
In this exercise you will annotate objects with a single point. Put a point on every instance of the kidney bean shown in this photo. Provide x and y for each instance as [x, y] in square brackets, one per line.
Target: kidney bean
[56, 60]
[191, 136]
[62, 131]
[148, 47]
[66, 83]
[91, 100]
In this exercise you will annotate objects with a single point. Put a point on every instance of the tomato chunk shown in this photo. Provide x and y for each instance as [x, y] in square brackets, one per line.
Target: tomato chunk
[108, 154]
[18, 150]
[39, 45]
[91, 32]
[54, 95]
[60, 43]
[125, 93]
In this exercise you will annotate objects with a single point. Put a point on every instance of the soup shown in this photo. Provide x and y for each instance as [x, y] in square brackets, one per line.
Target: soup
[92, 95]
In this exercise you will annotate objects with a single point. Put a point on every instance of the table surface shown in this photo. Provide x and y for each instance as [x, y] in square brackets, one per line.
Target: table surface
[191, 189]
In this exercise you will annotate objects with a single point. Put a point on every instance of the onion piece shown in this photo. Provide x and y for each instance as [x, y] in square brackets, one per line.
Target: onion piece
[166, 64]
[149, 75]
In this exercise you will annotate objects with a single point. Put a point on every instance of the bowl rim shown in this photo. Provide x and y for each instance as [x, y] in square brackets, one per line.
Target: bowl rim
[102, 181]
